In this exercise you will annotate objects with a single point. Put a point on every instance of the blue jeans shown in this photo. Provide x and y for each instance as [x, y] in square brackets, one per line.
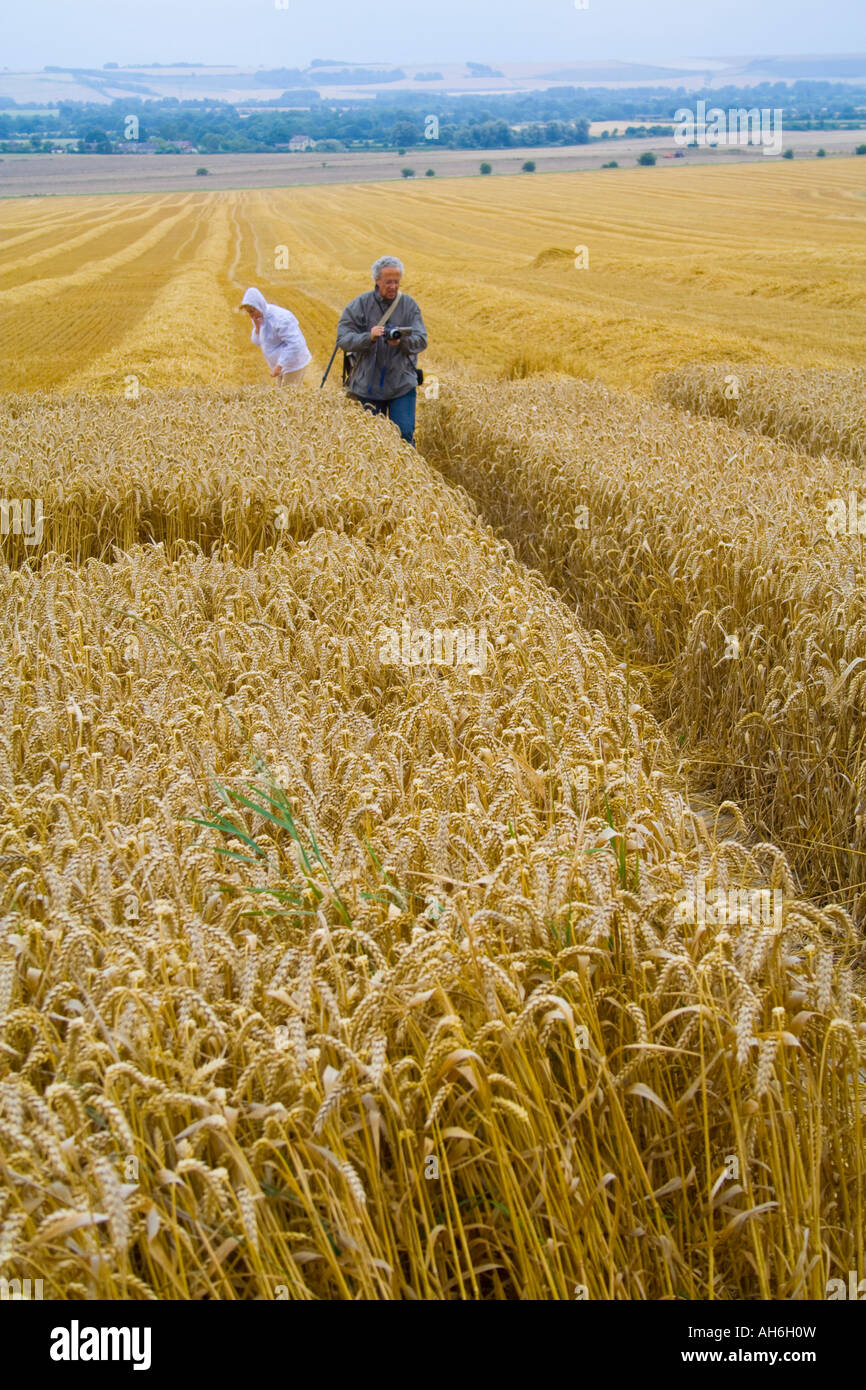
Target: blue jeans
[401, 410]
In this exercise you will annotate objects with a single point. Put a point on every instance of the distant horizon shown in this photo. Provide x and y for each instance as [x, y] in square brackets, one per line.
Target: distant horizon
[329, 78]
[678, 60]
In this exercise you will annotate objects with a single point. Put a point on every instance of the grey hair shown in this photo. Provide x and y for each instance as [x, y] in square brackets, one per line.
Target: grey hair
[385, 263]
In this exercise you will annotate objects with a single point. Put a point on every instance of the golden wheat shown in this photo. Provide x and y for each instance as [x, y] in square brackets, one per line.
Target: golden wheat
[706, 553]
[818, 411]
[336, 963]
[479, 1054]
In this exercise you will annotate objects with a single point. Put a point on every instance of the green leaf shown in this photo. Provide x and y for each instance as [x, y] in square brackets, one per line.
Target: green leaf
[228, 828]
[263, 811]
[233, 854]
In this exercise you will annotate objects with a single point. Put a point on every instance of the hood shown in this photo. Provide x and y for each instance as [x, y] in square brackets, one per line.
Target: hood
[255, 299]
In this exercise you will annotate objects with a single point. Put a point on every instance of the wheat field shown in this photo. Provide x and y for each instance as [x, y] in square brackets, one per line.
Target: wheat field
[407, 891]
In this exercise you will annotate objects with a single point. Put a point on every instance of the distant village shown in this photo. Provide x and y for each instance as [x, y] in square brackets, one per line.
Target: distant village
[296, 144]
[300, 120]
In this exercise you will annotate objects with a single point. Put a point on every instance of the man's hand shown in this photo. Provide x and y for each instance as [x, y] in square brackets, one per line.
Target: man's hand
[276, 371]
[377, 332]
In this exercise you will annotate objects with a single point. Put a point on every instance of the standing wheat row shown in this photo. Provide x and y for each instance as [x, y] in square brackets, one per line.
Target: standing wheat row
[818, 411]
[725, 560]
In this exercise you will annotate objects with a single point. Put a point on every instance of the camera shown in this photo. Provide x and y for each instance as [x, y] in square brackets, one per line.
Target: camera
[393, 335]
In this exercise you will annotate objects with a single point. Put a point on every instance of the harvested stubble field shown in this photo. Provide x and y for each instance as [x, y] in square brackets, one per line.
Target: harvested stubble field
[324, 975]
[741, 263]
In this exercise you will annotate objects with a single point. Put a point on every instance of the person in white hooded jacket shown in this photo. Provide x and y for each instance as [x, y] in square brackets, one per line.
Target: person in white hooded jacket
[277, 332]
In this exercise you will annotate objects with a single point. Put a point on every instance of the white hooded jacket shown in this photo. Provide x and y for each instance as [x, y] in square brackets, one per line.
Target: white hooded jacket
[280, 337]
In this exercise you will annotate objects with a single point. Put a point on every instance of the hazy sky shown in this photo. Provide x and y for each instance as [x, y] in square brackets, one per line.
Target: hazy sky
[89, 33]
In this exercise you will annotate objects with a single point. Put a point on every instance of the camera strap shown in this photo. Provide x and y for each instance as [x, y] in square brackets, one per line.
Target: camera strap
[389, 311]
[381, 324]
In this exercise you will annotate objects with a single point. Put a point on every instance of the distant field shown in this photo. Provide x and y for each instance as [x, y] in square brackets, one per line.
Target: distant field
[710, 263]
[23, 174]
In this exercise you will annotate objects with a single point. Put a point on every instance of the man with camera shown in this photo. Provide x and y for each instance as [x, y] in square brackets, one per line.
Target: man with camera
[381, 333]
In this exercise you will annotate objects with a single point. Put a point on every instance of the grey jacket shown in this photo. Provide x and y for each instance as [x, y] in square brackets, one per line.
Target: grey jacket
[382, 370]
